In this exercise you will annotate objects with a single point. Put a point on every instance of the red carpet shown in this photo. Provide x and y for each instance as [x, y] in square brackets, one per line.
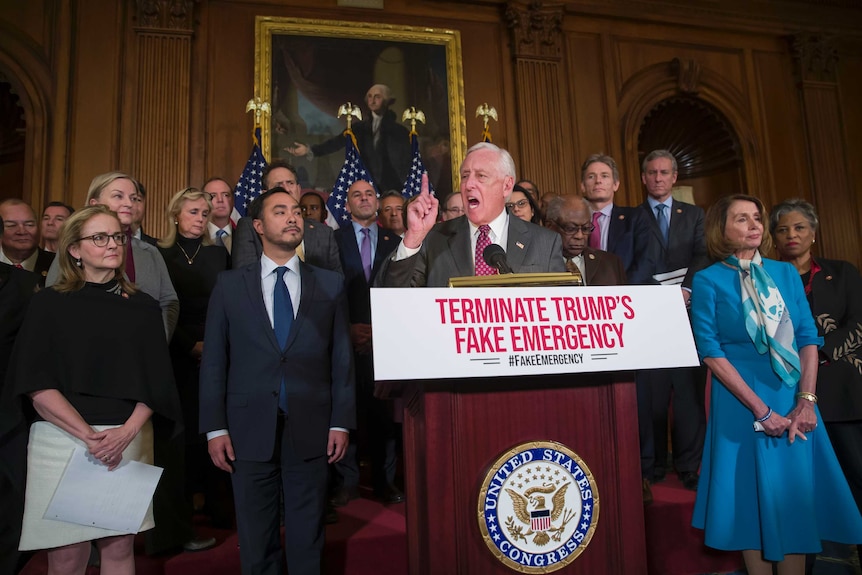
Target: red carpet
[370, 539]
[674, 547]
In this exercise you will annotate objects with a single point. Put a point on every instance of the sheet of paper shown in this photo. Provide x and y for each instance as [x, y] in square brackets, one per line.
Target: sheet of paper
[671, 278]
[89, 494]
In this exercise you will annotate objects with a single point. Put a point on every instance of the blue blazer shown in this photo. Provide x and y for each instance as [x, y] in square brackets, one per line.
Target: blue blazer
[243, 366]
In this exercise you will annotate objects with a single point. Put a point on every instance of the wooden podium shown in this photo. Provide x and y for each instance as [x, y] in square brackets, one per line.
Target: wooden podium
[497, 379]
[455, 429]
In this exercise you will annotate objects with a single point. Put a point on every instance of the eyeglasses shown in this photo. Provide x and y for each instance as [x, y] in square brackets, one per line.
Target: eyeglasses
[585, 229]
[101, 240]
[519, 204]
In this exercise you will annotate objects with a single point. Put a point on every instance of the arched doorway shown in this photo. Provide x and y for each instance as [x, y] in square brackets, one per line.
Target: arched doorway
[13, 128]
[704, 143]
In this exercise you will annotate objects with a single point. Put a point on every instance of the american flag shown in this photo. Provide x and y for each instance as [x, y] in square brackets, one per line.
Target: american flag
[249, 186]
[353, 169]
[413, 185]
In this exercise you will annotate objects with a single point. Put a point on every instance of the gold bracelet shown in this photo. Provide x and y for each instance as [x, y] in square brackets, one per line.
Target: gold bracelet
[807, 395]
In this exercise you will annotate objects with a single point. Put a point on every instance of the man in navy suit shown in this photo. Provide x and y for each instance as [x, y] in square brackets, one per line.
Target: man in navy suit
[364, 246]
[617, 229]
[430, 253]
[676, 240]
[277, 390]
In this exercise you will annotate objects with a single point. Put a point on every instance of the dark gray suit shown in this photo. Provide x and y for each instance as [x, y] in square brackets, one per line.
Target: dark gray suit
[320, 247]
[685, 247]
[241, 372]
[447, 253]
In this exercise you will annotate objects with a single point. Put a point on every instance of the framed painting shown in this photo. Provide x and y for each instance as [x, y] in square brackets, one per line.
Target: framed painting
[307, 69]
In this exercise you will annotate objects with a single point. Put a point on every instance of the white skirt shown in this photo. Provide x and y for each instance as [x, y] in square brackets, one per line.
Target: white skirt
[48, 452]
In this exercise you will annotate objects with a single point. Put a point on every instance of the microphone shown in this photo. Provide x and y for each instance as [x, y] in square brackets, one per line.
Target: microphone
[495, 256]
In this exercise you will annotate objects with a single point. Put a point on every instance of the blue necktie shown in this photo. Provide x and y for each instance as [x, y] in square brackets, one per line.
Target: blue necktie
[663, 224]
[365, 253]
[282, 319]
[220, 237]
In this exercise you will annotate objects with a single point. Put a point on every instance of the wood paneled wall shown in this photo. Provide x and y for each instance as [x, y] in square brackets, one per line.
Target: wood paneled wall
[104, 87]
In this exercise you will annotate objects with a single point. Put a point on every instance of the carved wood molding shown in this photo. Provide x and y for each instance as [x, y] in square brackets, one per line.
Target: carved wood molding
[815, 56]
[165, 15]
[536, 29]
[687, 74]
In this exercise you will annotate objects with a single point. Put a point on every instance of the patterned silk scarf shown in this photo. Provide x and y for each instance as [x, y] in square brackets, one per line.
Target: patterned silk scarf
[767, 319]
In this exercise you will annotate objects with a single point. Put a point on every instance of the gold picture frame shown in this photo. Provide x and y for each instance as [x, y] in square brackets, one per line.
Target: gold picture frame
[306, 69]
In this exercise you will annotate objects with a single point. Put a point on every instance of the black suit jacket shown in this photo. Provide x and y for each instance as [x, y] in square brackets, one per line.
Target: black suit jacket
[446, 253]
[320, 247]
[243, 366]
[358, 289]
[603, 268]
[836, 302]
[626, 232]
[43, 264]
[389, 162]
[686, 246]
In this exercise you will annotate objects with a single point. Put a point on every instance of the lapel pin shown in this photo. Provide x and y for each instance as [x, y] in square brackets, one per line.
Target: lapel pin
[592, 256]
[828, 278]
[679, 210]
[622, 216]
[519, 244]
[385, 238]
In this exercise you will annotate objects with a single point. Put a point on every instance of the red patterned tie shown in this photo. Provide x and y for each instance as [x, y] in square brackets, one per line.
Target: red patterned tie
[596, 234]
[482, 242]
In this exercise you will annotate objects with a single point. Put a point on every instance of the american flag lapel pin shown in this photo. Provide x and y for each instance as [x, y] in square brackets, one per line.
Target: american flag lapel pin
[519, 244]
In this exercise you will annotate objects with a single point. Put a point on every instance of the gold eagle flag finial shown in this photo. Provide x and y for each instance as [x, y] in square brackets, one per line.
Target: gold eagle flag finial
[413, 115]
[485, 112]
[259, 107]
[350, 111]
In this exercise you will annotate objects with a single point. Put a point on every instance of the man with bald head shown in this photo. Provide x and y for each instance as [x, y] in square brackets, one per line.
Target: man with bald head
[382, 141]
[430, 254]
[569, 216]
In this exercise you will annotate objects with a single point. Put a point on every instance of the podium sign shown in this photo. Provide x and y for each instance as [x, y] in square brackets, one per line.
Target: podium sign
[442, 333]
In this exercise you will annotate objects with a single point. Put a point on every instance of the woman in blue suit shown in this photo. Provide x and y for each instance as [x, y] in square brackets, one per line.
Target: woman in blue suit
[770, 484]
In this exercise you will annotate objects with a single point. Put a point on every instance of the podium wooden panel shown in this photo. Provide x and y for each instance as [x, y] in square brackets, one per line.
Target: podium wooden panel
[454, 430]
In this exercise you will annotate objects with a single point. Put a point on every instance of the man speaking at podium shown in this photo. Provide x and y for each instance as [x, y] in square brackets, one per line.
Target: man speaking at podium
[431, 254]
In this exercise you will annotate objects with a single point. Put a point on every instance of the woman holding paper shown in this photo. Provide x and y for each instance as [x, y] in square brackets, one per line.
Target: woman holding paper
[92, 357]
[770, 485]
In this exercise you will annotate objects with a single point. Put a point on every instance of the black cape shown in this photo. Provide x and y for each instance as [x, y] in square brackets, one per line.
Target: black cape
[93, 343]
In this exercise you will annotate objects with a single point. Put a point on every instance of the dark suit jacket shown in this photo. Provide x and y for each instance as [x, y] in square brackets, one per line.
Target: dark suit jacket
[358, 289]
[149, 239]
[16, 288]
[603, 268]
[628, 227]
[389, 162]
[686, 246]
[836, 302]
[243, 366]
[43, 264]
[446, 253]
[320, 247]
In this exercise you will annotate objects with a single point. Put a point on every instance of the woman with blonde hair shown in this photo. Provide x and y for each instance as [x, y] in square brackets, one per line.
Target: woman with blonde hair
[92, 358]
[194, 264]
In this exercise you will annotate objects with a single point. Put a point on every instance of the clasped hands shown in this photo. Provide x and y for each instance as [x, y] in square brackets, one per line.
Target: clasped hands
[108, 445]
[801, 420]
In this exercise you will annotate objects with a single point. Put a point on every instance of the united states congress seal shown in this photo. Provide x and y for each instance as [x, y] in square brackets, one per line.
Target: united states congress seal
[538, 507]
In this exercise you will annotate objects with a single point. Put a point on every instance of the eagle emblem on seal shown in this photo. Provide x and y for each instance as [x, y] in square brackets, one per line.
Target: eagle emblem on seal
[532, 511]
